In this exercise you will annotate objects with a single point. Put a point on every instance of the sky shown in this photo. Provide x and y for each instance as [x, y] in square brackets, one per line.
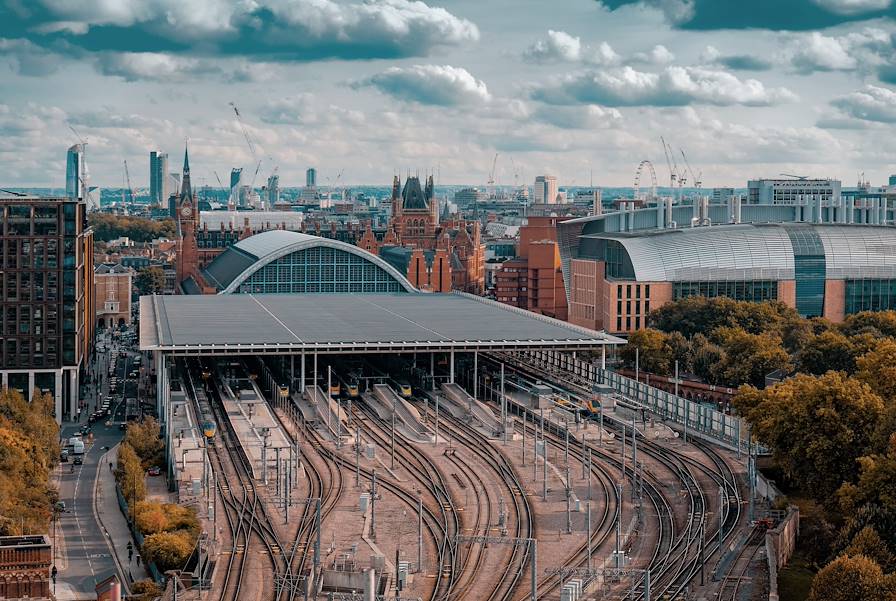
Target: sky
[364, 89]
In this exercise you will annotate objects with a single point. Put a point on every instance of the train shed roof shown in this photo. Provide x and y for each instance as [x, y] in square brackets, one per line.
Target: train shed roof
[350, 323]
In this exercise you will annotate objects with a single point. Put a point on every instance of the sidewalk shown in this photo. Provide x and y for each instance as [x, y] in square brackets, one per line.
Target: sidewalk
[114, 524]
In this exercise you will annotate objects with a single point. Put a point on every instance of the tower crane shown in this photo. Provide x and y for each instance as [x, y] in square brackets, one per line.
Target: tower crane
[673, 176]
[799, 177]
[490, 184]
[130, 190]
[697, 178]
[255, 159]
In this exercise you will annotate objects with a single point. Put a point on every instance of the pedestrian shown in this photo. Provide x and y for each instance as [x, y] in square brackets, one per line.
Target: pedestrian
[110, 466]
[138, 559]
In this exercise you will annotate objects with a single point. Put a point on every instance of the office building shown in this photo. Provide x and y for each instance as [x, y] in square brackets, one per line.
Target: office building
[824, 257]
[273, 191]
[75, 172]
[469, 197]
[545, 191]
[722, 195]
[792, 191]
[311, 177]
[158, 178]
[47, 306]
[236, 176]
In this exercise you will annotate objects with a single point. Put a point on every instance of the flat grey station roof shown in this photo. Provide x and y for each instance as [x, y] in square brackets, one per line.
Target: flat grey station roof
[349, 323]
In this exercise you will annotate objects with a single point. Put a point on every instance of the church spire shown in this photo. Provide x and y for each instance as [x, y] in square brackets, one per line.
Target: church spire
[186, 190]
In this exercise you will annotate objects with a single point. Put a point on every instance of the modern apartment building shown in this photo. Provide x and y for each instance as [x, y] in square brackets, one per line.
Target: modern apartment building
[47, 306]
[545, 191]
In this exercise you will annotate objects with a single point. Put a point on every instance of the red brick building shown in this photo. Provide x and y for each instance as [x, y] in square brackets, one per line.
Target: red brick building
[533, 280]
[25, 567]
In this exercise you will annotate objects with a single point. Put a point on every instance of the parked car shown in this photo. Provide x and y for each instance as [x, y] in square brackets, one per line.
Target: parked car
[63, 456]
[79, 459]
[154, 470]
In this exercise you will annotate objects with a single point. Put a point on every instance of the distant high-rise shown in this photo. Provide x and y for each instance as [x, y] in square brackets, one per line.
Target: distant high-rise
[158, 177]
[75, 172]
[236, 175]
[892, 180]
[311, 177]
[273, 190]
[545, 190]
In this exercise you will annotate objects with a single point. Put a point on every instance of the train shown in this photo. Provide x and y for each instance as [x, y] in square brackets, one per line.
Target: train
[403, 387]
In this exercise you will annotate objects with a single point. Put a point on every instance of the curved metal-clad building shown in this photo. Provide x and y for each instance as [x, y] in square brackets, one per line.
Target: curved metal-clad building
[281, 261]
[821, 269]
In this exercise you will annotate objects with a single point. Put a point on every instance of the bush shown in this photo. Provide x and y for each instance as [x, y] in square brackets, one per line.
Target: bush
[143, 437]
[130, 475]
[153, 518]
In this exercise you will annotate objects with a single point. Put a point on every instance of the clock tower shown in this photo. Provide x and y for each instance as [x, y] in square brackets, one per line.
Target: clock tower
[187, 221]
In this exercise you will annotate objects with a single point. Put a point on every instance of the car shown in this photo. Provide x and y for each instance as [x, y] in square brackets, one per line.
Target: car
[154, 470]
[123, 426]
[63, 456]
[79, 460]
[60, 506]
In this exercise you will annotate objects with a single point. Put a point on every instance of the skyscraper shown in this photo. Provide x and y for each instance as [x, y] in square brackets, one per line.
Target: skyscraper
[236, 175]
[545, 190]
[273, 190]
[75, 172]
[311, 177]
[158, 177]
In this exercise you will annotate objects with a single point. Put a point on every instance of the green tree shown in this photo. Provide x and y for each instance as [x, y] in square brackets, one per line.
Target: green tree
[849, 579]
[748, 358]
[869, 543]
[816, 427]
[706, 355]
[700, 315]
[168, 550]
[139, 229]
[876, 484]
[150, 280]
[653, 350]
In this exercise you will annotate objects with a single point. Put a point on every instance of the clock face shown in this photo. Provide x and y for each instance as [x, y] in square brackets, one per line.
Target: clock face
[186, 211]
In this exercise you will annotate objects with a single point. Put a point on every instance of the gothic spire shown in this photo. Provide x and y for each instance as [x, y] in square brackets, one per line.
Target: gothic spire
[186, 190]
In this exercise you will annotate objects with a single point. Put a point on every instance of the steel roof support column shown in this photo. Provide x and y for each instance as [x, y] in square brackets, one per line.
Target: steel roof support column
[302, 374]
[451, 375]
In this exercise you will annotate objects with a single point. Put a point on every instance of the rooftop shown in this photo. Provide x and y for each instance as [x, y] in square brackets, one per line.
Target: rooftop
[401, 322]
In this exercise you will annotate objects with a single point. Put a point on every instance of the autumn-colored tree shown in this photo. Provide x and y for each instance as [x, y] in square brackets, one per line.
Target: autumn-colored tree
[869, 543]
[154, 517]
[849, 579]
[877, 323]
[700, 315]
[107, 226]
[705, 356]
[145, 590]
[130, 475]
[748, 358]
[827, 351]
[144, 438]
[876, 484]
[877, 368]
[29, 448]
[654, 352]
[816, 427]
[168, 550]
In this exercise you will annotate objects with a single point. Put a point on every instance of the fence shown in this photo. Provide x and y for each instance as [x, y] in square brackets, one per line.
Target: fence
[137, 536]
[779, 545]
[702, 419]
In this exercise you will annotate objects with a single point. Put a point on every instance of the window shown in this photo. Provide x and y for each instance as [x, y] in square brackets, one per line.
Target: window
[758, 290]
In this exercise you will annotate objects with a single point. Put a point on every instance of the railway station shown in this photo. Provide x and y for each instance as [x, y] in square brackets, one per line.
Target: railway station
[396, 442]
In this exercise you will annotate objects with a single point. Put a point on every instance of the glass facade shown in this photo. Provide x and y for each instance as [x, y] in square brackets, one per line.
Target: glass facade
[320, 269]
[753, 290]
[619, 264]
[870, 295]
[809, 270]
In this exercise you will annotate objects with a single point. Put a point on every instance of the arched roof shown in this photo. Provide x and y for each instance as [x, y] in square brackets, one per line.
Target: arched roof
[232, 267]
[756, 251]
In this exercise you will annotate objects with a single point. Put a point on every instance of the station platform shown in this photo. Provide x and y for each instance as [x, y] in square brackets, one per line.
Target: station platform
[473, 408]
[188, 445]
[329, 415]
[253, 422]
[383, 400]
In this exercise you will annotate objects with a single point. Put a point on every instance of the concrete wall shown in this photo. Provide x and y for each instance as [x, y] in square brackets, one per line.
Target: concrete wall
[779, 545]
[835, 300]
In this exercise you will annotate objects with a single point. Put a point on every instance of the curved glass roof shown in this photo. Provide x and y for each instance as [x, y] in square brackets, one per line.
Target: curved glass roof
[232, 267]
[755, 252]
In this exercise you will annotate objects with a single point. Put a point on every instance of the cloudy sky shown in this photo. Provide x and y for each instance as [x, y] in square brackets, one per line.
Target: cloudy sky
[576, 88]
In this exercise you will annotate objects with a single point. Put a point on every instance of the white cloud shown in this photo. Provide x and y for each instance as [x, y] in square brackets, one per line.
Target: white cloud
[859, 50]
[658, 55]
[589, 116]
[558, 46]
[853, 7]
[441, 85]
[306, 110]
[169, 68]
[871, 103]
[674, 86]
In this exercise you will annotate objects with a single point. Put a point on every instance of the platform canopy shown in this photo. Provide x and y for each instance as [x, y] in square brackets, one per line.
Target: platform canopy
[350, 323]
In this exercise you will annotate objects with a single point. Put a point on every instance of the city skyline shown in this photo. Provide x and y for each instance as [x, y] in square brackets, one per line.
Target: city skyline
[577, 89]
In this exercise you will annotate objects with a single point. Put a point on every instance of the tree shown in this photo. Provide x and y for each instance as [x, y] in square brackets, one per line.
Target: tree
[827, 351]
[654, 352]
[143, 437]
[876, 484]
[869, 543]
[705, 356]
[816, 427]
[154, 517]
[139, 229]
[168, 550]
[748, 358]
[848, 579]
[877, 323]
[130, 475]
[701, 315]
[146, 589]
[878, 369]
[150, 280]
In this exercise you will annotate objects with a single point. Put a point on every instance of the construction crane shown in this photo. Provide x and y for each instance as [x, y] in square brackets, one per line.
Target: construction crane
[673, 176]
[799, 177]
[130, 190]
[490, 185]
[697, 178]
[255, 159]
